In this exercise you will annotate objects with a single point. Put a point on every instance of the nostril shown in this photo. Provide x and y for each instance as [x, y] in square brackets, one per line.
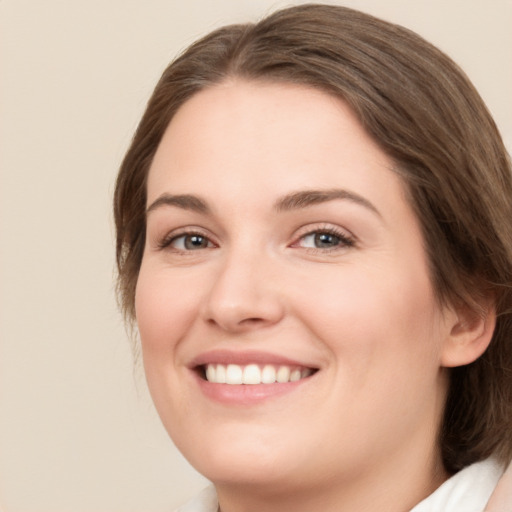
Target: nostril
[250, 321]
[236, 324]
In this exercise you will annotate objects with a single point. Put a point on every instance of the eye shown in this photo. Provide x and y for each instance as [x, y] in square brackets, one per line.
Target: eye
[325, 239]
[320, 240]
[186, 242]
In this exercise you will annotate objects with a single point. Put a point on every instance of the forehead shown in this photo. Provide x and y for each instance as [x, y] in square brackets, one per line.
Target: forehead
[251, 139]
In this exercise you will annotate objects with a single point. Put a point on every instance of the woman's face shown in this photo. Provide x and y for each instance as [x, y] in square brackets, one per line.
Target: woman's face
[280, 246]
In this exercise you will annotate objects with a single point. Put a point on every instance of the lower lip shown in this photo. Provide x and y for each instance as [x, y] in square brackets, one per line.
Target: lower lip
[246, 394]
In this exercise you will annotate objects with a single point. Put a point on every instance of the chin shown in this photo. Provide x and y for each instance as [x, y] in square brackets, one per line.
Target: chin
[249, 458]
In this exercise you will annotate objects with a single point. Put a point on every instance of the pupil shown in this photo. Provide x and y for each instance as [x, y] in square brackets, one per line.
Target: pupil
[326, 240]
[195, 242]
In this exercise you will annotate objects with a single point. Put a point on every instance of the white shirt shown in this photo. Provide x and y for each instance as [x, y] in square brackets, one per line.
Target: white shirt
[467, 491]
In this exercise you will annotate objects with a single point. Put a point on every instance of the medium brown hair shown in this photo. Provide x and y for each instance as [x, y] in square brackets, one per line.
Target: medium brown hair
[426, 115]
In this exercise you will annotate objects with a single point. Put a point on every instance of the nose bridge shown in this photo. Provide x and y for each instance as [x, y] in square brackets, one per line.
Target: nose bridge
[243, 293]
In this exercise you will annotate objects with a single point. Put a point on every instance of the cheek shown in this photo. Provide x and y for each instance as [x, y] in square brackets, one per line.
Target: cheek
[164, 310]
[372, 322]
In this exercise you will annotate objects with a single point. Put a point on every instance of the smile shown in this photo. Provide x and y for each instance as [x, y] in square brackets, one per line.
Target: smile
[247, 378]
[253, 374]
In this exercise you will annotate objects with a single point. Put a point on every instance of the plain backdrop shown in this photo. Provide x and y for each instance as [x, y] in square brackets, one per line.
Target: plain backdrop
[78, 432]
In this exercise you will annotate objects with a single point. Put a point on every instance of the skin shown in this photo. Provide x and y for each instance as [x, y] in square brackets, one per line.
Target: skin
[362, 430]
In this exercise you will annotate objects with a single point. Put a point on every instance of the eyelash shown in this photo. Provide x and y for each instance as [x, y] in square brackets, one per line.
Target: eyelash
[345, 241]
[166, 242]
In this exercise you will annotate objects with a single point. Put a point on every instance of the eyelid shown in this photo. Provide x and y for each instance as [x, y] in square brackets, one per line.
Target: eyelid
[323, 226]
[346, 237]
[166, 241]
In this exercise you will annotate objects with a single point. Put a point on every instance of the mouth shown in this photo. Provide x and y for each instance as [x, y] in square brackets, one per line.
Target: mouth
[253, 373]
[247, 378]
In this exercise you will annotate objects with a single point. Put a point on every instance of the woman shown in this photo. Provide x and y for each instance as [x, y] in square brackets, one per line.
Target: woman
[313, 236]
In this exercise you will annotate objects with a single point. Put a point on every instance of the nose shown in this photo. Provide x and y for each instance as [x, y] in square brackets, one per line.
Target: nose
[244, 295]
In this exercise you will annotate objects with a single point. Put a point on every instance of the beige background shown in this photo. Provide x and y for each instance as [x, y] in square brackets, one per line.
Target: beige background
[77, 433]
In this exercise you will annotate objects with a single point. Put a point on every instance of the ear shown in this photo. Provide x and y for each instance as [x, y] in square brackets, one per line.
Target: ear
[470, 333]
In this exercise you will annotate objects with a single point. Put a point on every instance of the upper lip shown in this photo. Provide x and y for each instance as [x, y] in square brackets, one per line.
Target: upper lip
[245, 358]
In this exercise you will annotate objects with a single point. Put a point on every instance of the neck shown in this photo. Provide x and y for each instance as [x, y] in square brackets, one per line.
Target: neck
[397, 487]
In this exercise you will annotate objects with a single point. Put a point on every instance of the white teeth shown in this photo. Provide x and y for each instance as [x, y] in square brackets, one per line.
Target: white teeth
[234, 374]
[283, 374]
[217, 375]
[305, 373]
[210, 373]
[254, 374]
[295, 375]
[268, 374]
[220, 375]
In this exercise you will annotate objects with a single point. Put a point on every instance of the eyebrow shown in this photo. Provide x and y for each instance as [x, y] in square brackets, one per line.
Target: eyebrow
[305, 198]
[184, 201]
[293, 201]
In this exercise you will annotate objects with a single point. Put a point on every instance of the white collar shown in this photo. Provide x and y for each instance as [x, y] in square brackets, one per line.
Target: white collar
[467, 491]
[205, 501]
